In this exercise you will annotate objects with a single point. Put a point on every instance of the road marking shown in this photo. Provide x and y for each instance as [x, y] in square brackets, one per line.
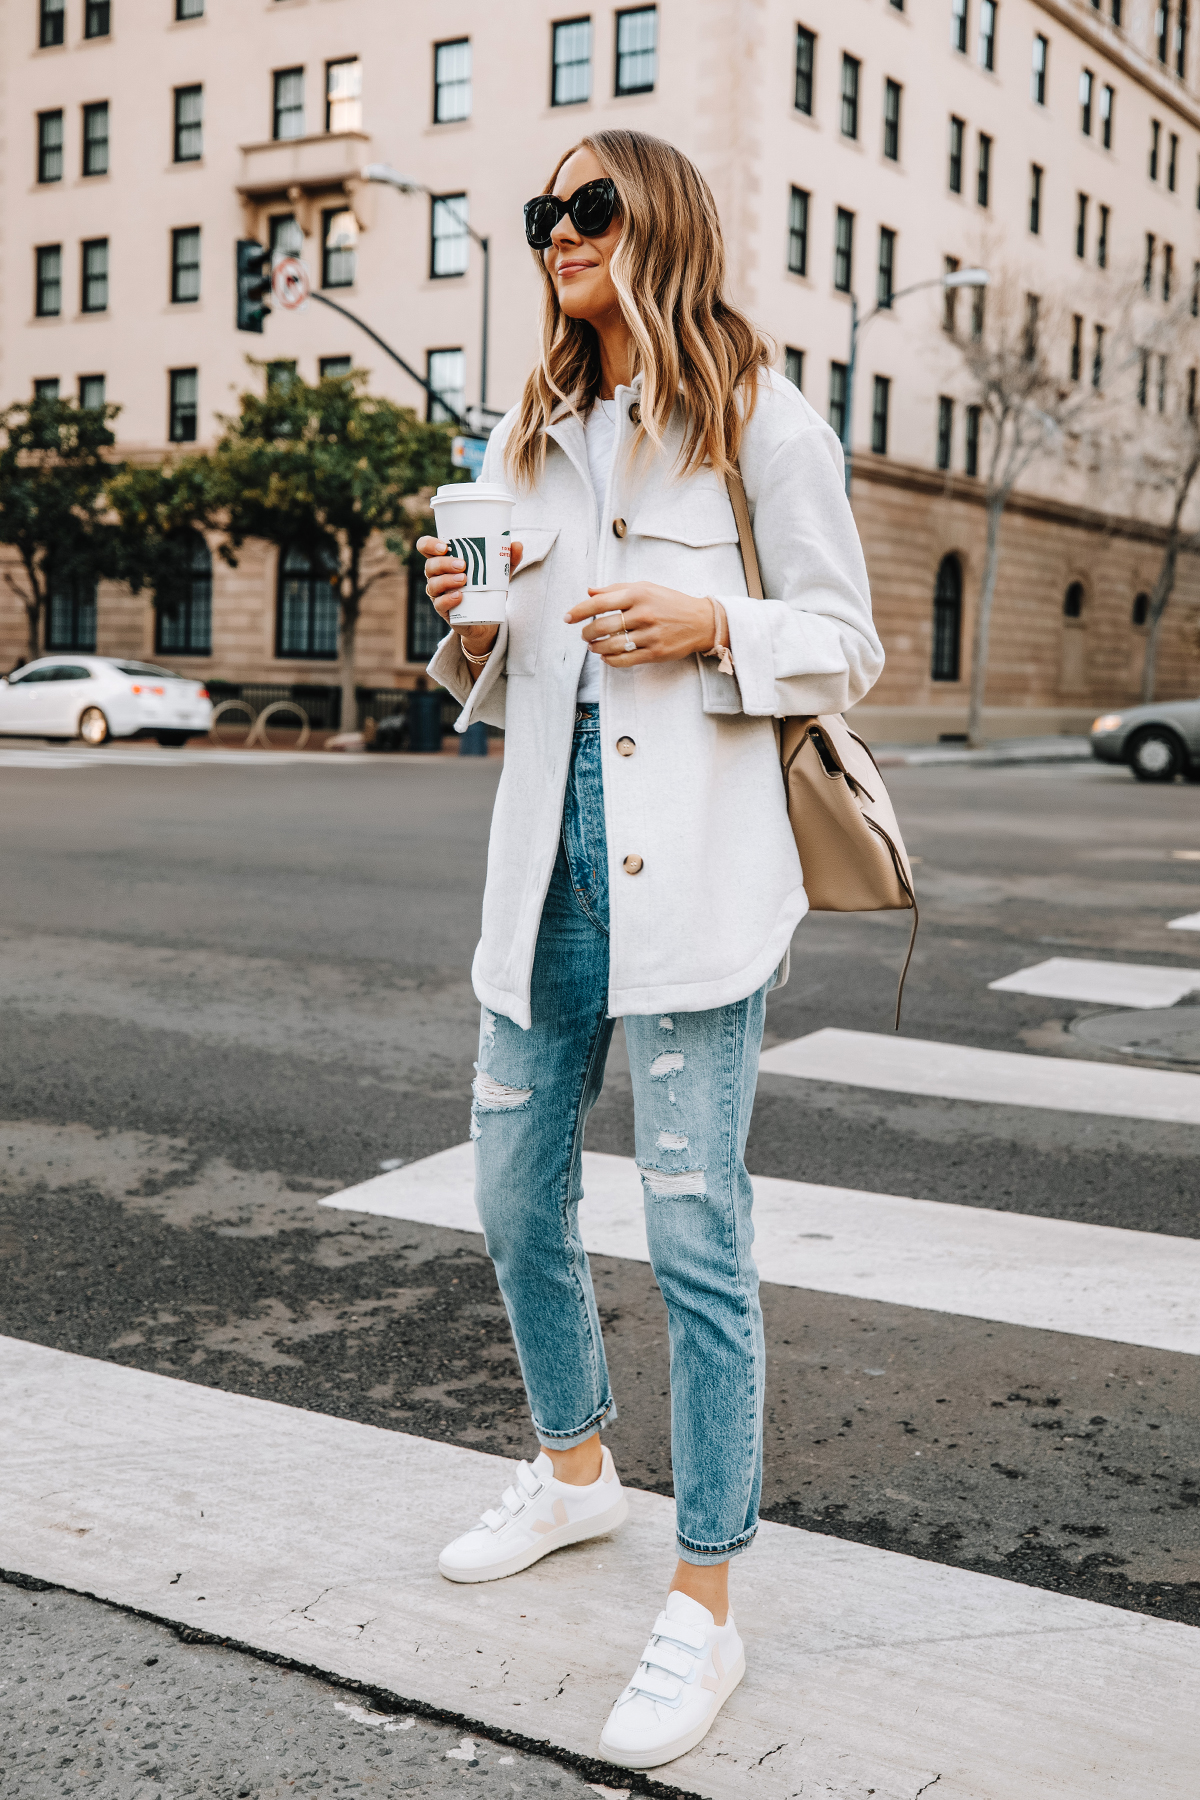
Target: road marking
[316, 1539]
[1130, 1287]
[958, 1072]
[1189, 922]
[1104, 983]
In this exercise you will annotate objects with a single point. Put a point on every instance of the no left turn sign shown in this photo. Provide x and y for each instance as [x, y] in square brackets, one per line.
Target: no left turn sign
[290, 283]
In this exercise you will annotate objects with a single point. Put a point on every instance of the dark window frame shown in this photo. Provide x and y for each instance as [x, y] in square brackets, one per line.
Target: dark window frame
[799, 208]
[557, 63]
[945, 431]
[95, 109]
[983, 178]
[1087, 88]
[89, 301]
[441, 86]
[959, 26]
[52, 24]
[958, 139]
[1108, 114]
[620, 91]
[945, 660]
[435, 409]
[195, 606]
[314, 576]
[1082, 202]
[851, 83]
[880, 414]
[806, 70]
[436, 237]
[189, 9]
[885, 286]
[1036, 174]
[974, 420]
[182, 127]
[893, 93]
[843, 250]
[182, 268]
[1039, 72]
[1102, 239]
[45, 281]
[46, 150]
[183, 411]
[793, 366]
[97, 18]
[282, 108]
[330, 272]
[91, 405]
[838, 383]
[988, 10]
[332, 100]
[77, 596]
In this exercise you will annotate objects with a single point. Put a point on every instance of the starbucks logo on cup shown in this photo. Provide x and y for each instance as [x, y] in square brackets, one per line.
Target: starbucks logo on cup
[472, 551]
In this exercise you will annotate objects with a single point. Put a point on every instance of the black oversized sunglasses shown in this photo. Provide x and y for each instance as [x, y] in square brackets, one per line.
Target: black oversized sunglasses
[590, 208]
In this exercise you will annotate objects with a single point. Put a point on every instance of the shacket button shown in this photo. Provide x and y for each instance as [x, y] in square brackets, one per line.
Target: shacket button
[625, 746]
[635, 414]
[632, 865]
[619, 528]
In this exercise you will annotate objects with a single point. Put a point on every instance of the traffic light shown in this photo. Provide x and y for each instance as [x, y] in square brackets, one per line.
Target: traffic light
[253, 284]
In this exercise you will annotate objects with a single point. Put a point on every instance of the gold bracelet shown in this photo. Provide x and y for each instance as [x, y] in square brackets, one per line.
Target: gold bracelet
[475, 661]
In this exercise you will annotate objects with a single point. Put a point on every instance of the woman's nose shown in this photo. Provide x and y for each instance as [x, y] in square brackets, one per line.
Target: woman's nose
[565, 235]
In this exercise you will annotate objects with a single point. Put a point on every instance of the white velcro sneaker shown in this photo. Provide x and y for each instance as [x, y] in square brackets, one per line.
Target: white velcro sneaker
[688, 1670]
[536, 1514]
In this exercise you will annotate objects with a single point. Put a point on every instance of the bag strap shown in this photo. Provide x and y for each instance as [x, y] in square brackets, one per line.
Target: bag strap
[741, 512]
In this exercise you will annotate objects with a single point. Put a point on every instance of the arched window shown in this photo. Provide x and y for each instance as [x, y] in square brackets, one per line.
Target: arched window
[1141, 609]
[307, 615]
[184, 612]
[71, 624]
[1073, 601]
[947, 621]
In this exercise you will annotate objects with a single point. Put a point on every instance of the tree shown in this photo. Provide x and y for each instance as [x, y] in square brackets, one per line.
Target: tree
[325, 468]
[160, 508]
[54, 473]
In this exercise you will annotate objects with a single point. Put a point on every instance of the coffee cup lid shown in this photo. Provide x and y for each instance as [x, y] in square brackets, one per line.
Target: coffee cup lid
[473, 490]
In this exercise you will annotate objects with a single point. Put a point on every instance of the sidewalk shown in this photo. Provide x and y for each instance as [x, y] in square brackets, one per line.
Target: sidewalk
[1009, 752]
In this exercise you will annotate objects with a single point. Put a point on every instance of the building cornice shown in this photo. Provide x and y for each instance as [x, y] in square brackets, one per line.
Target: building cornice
[1105, 37]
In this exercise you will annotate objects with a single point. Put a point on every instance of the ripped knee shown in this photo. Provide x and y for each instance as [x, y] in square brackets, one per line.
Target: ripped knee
[672, 1184]
[492, 1096]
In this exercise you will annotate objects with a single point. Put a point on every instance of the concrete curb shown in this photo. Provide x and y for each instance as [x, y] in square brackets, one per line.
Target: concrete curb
[1012, 753]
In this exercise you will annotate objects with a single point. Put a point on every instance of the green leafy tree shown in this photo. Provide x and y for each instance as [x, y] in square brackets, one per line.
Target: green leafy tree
[160, 508]
[325, 468]
[54, 473]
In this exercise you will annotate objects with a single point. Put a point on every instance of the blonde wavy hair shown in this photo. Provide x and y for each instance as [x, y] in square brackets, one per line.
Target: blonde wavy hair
[689, 343]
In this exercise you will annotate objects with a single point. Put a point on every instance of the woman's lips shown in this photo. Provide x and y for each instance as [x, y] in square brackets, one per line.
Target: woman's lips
[573, 268]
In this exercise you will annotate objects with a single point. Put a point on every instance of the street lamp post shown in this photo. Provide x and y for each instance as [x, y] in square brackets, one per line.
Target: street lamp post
[404, 184]
[959, 278]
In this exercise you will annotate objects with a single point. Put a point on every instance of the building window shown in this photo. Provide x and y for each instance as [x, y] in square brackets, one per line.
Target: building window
[571, 62]
[183, 614]
[446, 373]
[185, 396]
[1162, 29]
[449, 240]
[974, 417]
[339, 248]
[987, 34]
[958, 25]
[887, 266]
[950, 298]
[1181, 36]
[71, 624]
[637, 47]
[851, 68]
[343, 95]
[95, 139]
[793, 367]
[185, 264]
[306, 625]
[945, 430]
[284, 235]
[838, 374]
[1162, 384]
[1098, 359]
[452, 81]
[287, 105]
[1087, 82]
[50, 146]
[1035, 199]
[425, 626]
[1141, 609]
[52, 23]
[806, 58]
[1168, 270]
[983, 182]
[1196, 290]
[978, 302]
[1108, 107]
[189, 124]
[46, 389]
[1076, 346]
[91, 393]
[1155, 140]
[879, 415]
[1033, 309]
[1041, 62]
[1102, 240]
[891, 120]
[280, 376]
[947, 621]
[1073, 601]
[1172, 163]
[1191, 394]
[48, 263]
[843, 251]
[332, 368]
[957, 133]
[1148, 266]
[97, 18]
[1081, 207]
[94, 294]
[798, 232]
[189, 9]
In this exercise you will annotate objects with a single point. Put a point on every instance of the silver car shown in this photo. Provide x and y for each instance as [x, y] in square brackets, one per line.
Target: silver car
[1159, 741]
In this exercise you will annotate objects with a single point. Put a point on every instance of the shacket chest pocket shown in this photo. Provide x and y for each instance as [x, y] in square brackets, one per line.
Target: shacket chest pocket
[686, 537]
[527, 596]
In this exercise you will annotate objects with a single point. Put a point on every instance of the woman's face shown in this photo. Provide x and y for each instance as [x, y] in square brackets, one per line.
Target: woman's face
[579, 266]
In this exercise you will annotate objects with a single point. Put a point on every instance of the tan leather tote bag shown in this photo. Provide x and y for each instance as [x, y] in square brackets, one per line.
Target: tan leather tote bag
[851, 850]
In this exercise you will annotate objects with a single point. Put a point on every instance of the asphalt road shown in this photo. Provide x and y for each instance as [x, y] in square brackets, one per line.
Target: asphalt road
[226, 991]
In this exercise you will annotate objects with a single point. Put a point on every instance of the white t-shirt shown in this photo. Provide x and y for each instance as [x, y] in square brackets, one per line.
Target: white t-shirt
[601, 429]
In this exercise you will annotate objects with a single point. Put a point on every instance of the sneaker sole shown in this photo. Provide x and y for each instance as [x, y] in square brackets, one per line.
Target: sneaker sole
[554, 1540]
[665, 1753]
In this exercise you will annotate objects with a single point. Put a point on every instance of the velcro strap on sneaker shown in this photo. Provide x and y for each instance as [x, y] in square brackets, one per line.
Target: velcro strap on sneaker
[528, 1480]
[658, 1654]
[657, 1685]
[692, 1637]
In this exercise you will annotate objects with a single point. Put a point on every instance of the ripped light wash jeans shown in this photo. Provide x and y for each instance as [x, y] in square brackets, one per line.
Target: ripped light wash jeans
[694, 1077]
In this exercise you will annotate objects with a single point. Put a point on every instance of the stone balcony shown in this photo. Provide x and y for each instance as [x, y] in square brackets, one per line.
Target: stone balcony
[306, 174]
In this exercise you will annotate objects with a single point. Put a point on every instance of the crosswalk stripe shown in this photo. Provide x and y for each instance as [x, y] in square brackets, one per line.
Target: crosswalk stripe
[1130, 1287]
[900, 1065]
[316, 1539]
[1101, 983]
[1189, 922]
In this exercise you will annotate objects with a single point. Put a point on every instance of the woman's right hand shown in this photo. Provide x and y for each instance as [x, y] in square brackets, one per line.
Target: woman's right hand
[445, 578]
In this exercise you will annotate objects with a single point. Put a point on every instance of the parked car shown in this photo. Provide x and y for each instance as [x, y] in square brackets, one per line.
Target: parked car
[97, 698]
[1158, 742]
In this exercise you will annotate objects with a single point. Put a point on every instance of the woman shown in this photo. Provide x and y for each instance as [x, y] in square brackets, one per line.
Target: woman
[641, 865]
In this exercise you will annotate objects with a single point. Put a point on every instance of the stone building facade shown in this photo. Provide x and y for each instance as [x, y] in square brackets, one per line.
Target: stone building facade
[853, 145]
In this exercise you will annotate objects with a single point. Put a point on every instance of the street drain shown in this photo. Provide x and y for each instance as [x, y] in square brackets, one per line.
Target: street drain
[1166, 1034]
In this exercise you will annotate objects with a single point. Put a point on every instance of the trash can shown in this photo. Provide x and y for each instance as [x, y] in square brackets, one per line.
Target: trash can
[425, 724]
[474, 740]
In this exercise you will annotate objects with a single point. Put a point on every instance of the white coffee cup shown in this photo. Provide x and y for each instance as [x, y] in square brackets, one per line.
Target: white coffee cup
[473, 519]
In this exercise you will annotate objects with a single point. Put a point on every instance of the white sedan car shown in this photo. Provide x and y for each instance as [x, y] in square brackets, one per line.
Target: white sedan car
[99, 697]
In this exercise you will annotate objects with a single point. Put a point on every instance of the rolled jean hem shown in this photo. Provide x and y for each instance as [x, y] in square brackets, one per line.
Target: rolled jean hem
[567, 1440]
[702, 1555]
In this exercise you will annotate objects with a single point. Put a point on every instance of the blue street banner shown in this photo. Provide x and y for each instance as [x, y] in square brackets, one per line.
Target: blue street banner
[467, 453]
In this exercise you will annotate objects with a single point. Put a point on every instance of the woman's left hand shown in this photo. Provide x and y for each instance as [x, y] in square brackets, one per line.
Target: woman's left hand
[664, 624]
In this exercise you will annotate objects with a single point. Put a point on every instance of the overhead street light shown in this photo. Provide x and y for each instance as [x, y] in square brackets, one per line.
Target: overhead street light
[384, 174]
[957, 278]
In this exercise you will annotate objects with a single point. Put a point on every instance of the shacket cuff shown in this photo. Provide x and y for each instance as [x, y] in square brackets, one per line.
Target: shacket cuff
[450, 669]
[753, 628]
